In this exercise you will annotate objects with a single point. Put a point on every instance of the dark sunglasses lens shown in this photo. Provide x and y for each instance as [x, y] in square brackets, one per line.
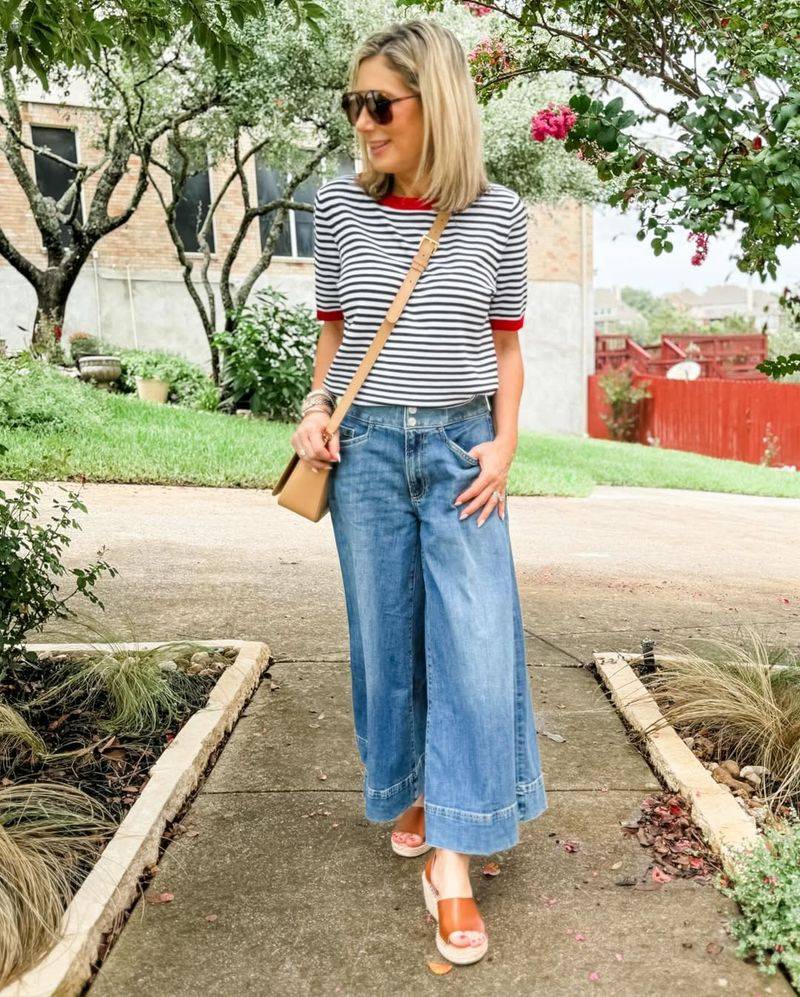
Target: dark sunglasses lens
[351, 105]
[380, 108]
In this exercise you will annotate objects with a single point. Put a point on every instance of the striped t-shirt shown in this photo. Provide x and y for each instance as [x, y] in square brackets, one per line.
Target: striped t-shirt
[441, 351]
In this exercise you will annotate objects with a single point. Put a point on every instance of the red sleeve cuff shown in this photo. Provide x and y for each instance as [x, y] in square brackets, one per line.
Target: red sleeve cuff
[507, 324]
[324, 316]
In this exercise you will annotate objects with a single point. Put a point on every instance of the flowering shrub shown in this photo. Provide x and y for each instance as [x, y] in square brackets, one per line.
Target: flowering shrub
[489, 58]
[82, 344]
[700, 240]
[552, 122]
[477, 9]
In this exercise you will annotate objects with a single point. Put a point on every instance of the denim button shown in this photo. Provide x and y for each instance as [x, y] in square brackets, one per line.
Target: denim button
[412, 408]
[412, 421]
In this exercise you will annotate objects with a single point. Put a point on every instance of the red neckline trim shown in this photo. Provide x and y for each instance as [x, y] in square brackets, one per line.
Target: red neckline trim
[409, 203]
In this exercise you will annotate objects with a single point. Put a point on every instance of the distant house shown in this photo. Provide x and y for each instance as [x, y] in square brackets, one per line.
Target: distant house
[611, 314]
[722, 301]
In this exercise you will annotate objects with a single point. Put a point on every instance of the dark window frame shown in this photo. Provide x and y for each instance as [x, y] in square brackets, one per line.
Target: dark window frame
[33, 127]
[291, 218]
[209, 176]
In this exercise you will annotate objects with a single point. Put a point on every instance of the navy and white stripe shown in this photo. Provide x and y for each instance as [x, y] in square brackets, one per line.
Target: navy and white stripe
[441, 351]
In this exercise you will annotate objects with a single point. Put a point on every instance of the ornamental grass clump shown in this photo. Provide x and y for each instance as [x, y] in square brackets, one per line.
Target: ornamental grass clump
[746, 699]
[130, 692]
[18, 740]
[50, 835]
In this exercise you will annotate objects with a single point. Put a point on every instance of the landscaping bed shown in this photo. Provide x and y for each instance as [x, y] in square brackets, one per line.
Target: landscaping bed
[111, 767]
[111, 741]
[723, 731]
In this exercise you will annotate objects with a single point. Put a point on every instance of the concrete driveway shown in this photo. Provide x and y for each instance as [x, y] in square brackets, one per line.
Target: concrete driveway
[307, 897]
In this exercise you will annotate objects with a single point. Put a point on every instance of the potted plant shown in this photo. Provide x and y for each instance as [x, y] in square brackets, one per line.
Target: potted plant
[152, 389]
[151, 371]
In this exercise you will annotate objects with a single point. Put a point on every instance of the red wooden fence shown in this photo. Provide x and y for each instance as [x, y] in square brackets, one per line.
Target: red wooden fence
[719, 418]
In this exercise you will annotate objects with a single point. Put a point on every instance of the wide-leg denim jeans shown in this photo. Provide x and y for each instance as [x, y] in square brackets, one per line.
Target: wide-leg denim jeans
[440, 689]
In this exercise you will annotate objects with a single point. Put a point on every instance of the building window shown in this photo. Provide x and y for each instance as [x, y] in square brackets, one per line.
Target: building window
[53, 178]
[296, 237]
[195, 199]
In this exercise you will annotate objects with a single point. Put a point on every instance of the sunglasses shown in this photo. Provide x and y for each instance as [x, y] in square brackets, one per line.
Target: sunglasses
[379, 106]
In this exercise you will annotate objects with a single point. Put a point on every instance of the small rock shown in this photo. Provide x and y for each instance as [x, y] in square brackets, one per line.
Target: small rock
[731, 765]
[169, 666]
[754, 773]
[202, 658]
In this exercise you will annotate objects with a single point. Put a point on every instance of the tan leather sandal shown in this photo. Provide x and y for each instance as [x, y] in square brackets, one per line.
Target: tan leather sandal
[453, 914]
[412, 822]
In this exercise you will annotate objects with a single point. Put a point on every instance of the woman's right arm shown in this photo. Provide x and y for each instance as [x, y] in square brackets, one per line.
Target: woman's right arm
[308, 435]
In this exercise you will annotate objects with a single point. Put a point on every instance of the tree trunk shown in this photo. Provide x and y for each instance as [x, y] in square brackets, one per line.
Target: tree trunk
[51, 303]
[214, 361]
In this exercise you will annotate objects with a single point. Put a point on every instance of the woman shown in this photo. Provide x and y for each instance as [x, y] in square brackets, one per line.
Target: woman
[443, 717]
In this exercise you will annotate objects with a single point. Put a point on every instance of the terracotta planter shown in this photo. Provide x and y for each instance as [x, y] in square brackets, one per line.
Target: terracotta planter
[152, 389]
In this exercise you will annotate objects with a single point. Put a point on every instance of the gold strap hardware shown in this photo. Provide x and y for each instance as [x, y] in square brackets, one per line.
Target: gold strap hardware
[434, 241]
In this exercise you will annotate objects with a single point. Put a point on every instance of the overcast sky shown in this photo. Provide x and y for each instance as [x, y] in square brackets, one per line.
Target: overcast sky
[620, 259]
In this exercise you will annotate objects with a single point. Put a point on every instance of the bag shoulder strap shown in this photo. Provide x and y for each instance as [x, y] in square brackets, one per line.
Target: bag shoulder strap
[427, 247]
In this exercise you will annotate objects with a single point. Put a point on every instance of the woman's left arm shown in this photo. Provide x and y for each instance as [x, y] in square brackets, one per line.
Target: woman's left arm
[496, 455]
[506, 400]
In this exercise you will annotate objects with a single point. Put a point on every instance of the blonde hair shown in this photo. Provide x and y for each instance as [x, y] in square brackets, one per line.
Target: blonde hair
[433, 64]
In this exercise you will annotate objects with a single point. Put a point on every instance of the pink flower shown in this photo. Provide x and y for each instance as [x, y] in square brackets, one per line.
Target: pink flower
[554, 122]
[488, 58]
[478, 9]
[701, 247]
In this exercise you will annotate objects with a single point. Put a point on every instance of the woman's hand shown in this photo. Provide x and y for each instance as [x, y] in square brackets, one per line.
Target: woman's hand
[308, 442]
[495, 458]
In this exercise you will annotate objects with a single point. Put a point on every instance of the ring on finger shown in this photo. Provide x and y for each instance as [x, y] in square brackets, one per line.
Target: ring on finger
[498, 495]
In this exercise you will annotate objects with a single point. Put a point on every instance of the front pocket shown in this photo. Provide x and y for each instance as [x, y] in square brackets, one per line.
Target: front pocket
[461, 437]
[351, 434]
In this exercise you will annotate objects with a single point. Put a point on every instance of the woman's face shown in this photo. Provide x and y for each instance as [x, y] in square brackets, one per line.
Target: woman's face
[395, 147]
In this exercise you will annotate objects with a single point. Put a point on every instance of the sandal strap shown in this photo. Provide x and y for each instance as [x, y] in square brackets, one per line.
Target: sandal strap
[459, 914]
[412, 821]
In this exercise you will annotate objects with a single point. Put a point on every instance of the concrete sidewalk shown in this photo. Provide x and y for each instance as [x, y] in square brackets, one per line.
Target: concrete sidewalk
[307, 896]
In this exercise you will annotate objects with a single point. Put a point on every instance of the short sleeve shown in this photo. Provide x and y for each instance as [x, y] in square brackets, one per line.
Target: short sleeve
[326, 263]
[509, 301]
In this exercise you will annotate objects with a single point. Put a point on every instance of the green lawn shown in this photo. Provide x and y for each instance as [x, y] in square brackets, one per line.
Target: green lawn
[76, 430]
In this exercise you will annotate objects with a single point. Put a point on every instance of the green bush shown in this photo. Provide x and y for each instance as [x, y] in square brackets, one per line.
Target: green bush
[31, 566]
[189, 384]
[624, 399]
[268, 358]
[82, 344]
[766, 886]
[34, 396]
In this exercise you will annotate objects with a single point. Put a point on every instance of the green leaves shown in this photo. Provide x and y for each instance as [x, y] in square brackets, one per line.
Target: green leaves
[733, 157]
[65, 34]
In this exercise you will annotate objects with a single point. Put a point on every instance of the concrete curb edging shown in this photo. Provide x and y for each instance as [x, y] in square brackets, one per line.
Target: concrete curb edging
[725, 826]
[112, 884]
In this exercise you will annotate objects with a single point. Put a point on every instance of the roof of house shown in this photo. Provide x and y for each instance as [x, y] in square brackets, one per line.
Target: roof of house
[722, 294]
[608, 300]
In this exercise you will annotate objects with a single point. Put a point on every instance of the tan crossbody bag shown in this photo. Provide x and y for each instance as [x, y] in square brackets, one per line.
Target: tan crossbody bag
[299, 488]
